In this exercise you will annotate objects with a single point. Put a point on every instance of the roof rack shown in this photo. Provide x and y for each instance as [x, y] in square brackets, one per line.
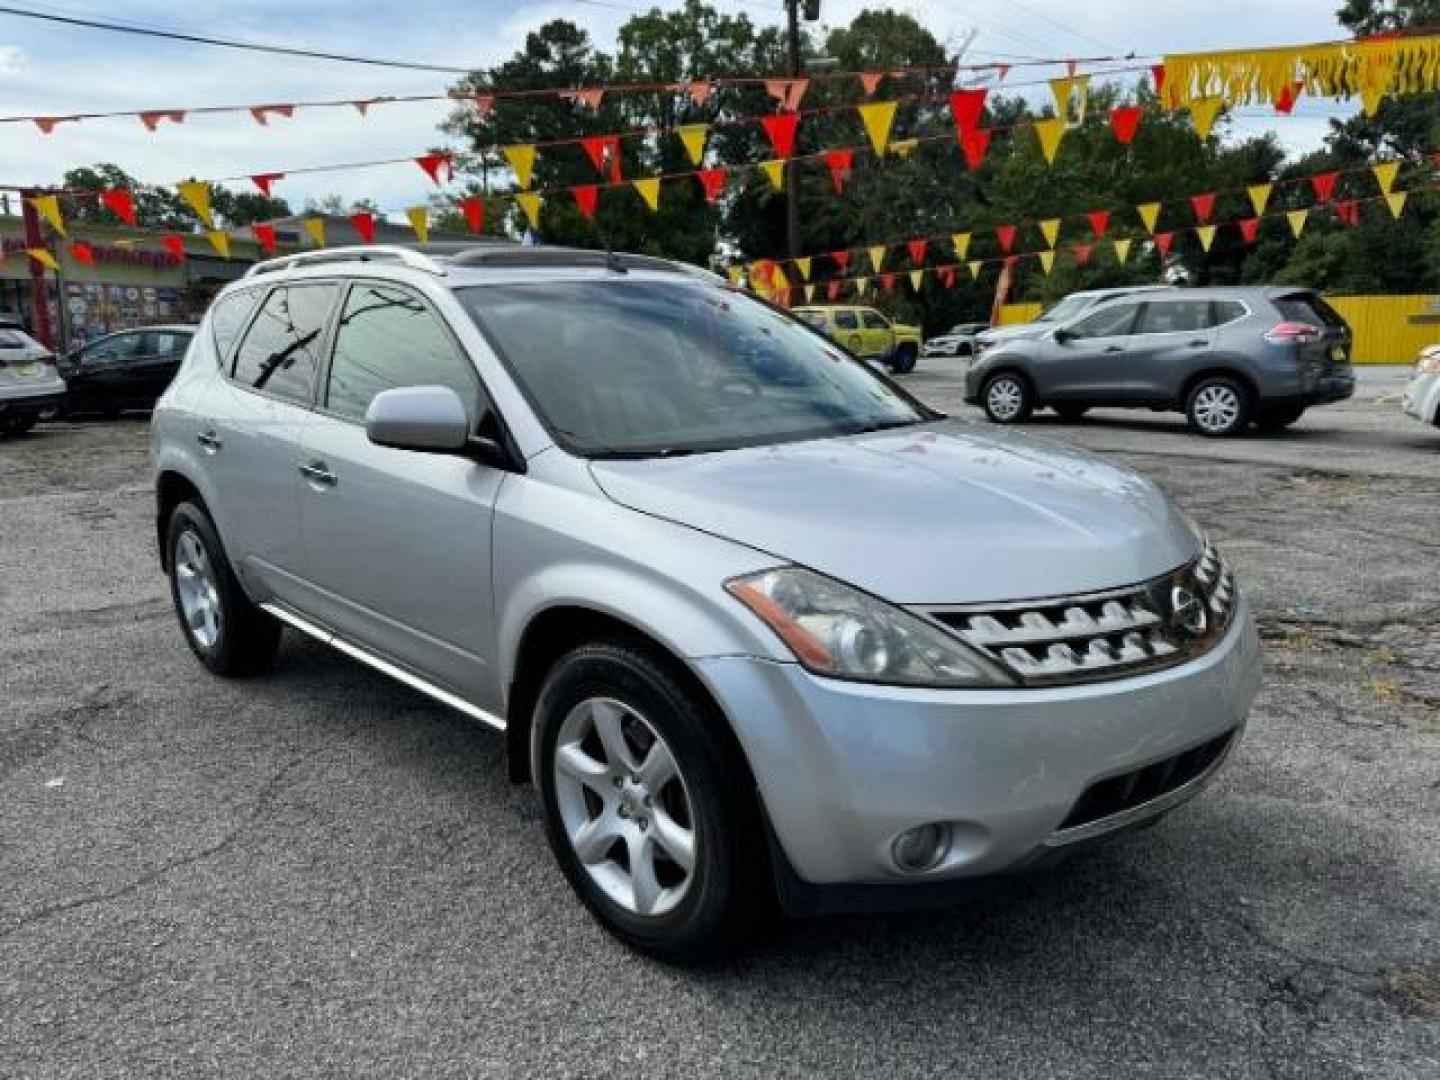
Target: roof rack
[519, 256]
[370, 253]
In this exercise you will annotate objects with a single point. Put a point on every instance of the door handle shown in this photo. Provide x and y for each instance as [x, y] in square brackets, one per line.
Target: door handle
[1198, 344]
[209, 440]
[1114, 348]
[318, 473]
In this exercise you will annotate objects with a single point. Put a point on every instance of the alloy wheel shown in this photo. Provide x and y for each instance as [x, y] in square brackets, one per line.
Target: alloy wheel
[624, 805]
[195, 582]
[1005, 397]
[1217, 408]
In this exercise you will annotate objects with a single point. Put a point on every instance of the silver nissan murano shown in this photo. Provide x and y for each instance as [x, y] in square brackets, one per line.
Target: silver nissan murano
[762, 629]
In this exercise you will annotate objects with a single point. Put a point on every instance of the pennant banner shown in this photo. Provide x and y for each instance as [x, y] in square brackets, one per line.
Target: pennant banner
[1050, 132]
[693, 136]
[419, 218]
[48, 207]
[1259, 196]
[878, 117]
[649, 189]
[522, 160]
[1149, 214]
[315, 227]
[196, 194]
[774, 172]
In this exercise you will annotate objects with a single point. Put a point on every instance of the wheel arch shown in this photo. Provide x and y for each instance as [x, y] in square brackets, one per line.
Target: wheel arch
[1214, 371]
[173, 487]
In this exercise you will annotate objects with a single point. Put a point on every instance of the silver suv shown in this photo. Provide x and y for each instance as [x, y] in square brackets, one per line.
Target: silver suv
[755, 622]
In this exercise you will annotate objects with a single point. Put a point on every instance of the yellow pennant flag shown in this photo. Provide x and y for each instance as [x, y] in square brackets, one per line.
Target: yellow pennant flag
[775, 172]
[220, 241]
[1385, 172]
[904, 148]
[1122, 251]
[878, 117]
[1206, 233]
[974, 265]
[1203, 111]
[916, 277]
[649, 189]
[530, 203]
[522, 160]
[48, 207]
[1371, 94]
[877, 256]
[316, 228]
[1297, 221]
[694, 136]
[809, 294]
[1072, 95]
[1149, 213]
[43, 257]
[961, 240]
[1050, 133]
[737, 275]
[419, 221]
[861, 284]
[803, 265]
[1047, 261]
[1050, 229]
[1396, 202]
[1259, 196]
[196, 194]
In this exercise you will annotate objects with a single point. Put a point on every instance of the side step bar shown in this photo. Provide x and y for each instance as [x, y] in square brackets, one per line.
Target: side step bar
[365, 656]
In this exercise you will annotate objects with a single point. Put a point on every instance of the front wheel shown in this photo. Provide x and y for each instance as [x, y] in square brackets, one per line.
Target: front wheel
[904, 360]
[1218, 406]
[1007, 398]
[644, 803]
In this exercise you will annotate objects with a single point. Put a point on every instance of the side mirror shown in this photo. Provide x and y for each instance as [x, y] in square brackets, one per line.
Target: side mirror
[1061, 335]
[430, 419]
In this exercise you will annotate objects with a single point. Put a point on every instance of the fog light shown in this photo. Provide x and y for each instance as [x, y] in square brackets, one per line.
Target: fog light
[921, 848]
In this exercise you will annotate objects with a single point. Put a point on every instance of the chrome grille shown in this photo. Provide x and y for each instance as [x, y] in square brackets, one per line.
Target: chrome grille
[1156, 624]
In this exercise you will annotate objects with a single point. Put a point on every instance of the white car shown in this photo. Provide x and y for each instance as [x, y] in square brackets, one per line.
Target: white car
[30, 387]
[1422, 396]
[959, 340]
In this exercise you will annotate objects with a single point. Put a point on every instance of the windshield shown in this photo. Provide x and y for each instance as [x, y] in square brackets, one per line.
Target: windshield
[1065, 309]
[643, 368]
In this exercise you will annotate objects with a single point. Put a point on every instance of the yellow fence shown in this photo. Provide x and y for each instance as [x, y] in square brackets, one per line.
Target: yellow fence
[1384, 330]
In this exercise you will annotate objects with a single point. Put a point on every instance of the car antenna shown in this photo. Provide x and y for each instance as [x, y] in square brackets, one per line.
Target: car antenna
[612, 261]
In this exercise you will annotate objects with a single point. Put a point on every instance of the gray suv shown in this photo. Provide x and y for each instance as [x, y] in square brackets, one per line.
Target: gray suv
[643, 525]
[1224, 356]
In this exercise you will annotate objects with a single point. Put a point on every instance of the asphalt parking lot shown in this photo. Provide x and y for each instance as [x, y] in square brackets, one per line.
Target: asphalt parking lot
[322, 873]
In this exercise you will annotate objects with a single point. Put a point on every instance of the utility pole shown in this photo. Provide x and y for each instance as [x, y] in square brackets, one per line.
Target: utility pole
[35, 238]
[792, 167]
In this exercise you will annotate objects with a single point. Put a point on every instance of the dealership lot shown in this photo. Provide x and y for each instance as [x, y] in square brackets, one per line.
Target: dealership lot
[320, 872]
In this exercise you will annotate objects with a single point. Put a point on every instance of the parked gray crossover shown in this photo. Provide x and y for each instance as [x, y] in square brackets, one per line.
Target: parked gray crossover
[755, 622]
[1223, 356]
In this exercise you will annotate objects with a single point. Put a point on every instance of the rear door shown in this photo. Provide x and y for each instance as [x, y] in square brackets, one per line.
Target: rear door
[106, 371]
[1087, 361]
[878, 339]
[1174, 338]
[847, 331]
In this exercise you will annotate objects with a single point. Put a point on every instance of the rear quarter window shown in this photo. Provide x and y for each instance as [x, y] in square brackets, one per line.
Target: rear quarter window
[1308, 308]
[228, 318]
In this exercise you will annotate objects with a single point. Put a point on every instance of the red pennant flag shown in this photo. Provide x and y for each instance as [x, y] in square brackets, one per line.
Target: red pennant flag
[976, 144]
[713, 181]
[473, 207]
[1099, 221]
[82, 252]
[151, 120]
[870, 80]
[263, 181]
[1248, 228]
[787, 92]
[1163, 240]
[261, 113]
[1324, 185]
[1124, 122]
[266, 235]
[587, 197]
[174, 245]
[1001, 70]
[840, 162]
[121, 203]
[841, 259]
[833, 289]
[917, 252]
[1203, 205]
[780, 130]
[965, 108]
[364, 223]
[1006, 235]
[1289, 94]
[1157, 72]
[47, 124]
[431, 164]
[1082, 253]
[947, 276]
[1348, 211]
[604, 153]
[887, 282]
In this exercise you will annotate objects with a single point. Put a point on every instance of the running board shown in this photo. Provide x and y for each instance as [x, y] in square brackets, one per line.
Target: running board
[385, 667]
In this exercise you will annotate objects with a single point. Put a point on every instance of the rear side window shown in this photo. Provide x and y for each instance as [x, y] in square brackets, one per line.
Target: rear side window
[1227, 311]
[281, 351]
[846, 320]
[874, 320]
[227, 319]
[1308, 308]
[814, 318]
[1174, 316]
[1110, 321]
[388, 338]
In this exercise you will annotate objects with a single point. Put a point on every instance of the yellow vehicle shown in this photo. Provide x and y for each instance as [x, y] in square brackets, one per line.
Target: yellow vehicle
[868, 334]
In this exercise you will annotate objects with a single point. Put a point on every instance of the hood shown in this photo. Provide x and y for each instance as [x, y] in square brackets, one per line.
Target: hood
[998, 335]
[934, 514]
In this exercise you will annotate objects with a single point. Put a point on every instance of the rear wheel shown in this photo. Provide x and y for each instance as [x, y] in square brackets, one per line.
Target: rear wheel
[1218, 406]
[1071, 413]
[229, 634]
[1278, 419]
[904, 360]
[644, 802]
[17, 425]
[1007, 398]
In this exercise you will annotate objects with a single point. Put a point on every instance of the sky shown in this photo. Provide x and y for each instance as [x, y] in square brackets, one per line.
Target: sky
[55, 69]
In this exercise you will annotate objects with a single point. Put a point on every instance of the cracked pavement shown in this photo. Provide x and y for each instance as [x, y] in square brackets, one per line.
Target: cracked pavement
[322, 873]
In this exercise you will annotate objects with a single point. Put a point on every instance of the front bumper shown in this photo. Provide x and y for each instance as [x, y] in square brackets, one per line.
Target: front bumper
[844, 768]
[1422, 397]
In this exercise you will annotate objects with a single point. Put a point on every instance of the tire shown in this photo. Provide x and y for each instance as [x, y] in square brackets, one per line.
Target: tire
[226, 632]
[1071, 413]
[1278, 419]
[636, 696]
[1218, 406]
[1007, 398]
[904, 360]
[17, 425]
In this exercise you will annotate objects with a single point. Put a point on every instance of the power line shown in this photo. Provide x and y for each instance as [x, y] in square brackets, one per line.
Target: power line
[1064, 26]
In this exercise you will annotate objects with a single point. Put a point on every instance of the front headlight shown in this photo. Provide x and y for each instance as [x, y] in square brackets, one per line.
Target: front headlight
[841, 632]
[1429, 362]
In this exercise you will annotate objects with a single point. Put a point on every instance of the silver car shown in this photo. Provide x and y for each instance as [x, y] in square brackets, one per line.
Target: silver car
[755, 622]
[1422, 396]
[31, 388]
